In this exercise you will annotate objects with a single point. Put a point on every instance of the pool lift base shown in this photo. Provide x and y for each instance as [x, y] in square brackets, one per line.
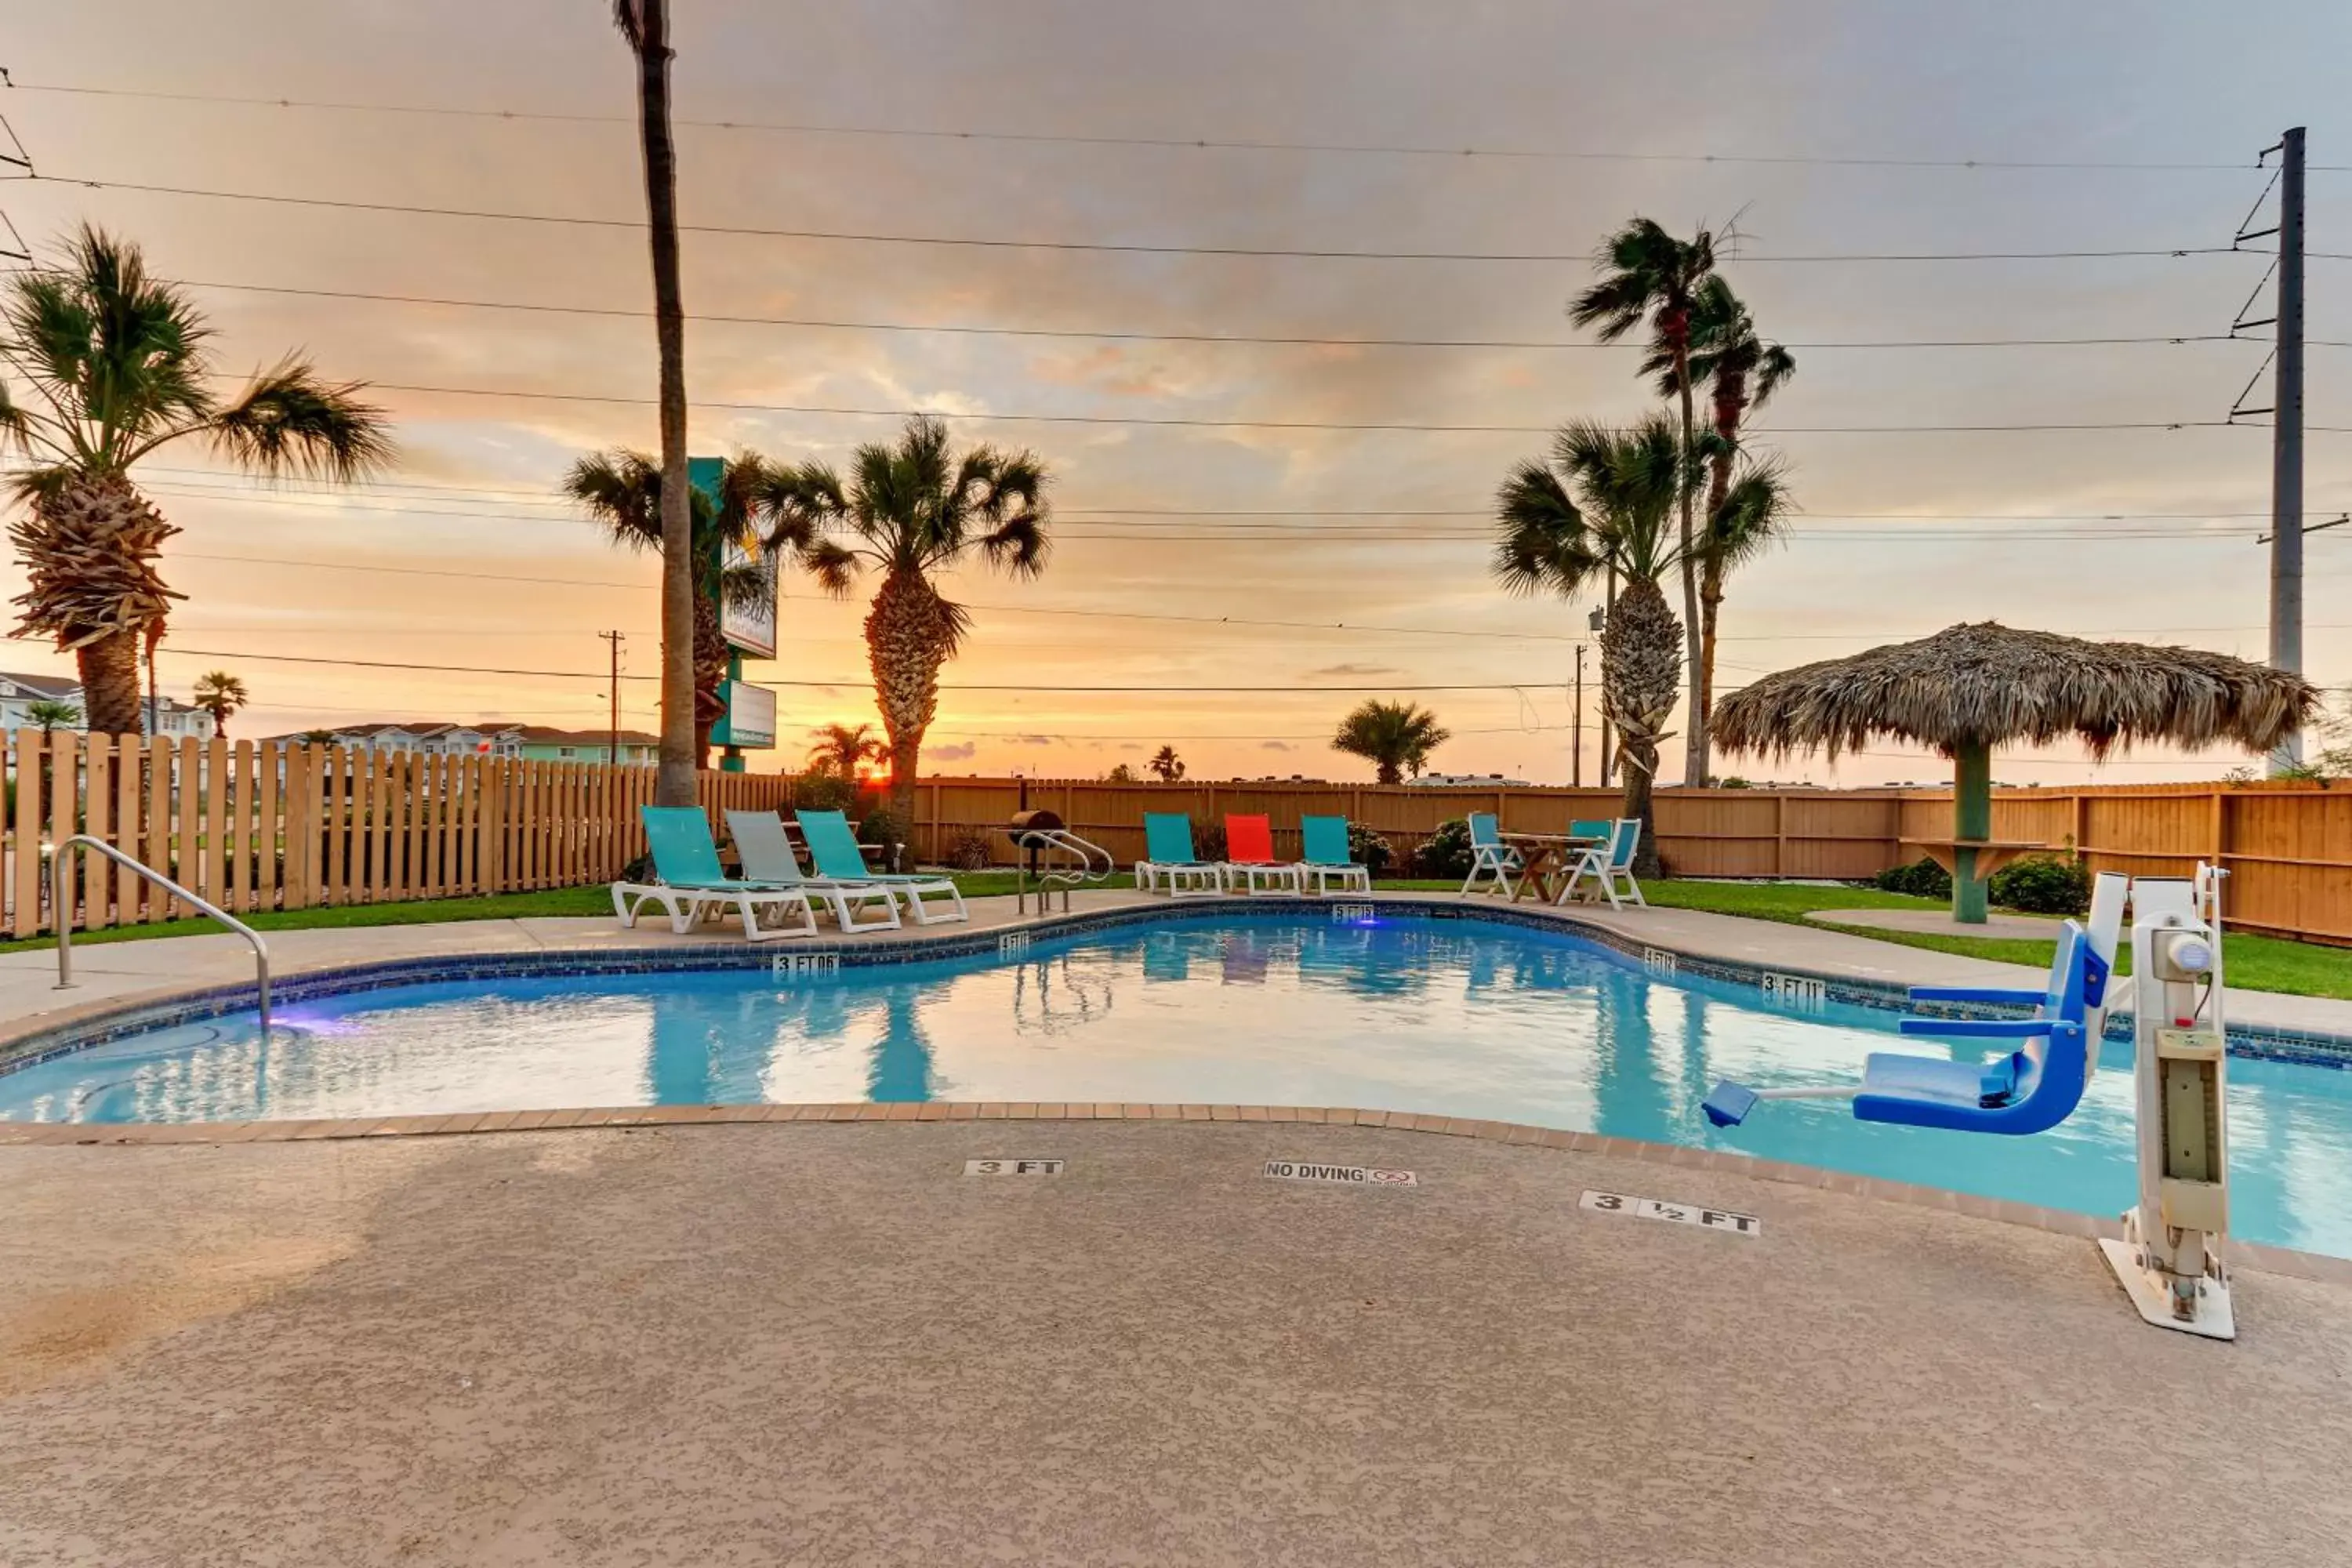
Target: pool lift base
[2209, 1312]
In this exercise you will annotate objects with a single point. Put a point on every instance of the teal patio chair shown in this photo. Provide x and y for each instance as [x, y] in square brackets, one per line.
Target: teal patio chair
[1608, 864]
[1490, 858]
[692, 884]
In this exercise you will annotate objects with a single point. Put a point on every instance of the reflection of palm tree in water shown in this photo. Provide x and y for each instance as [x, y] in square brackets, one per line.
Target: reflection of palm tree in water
[901, 1069]
[1629, 1098]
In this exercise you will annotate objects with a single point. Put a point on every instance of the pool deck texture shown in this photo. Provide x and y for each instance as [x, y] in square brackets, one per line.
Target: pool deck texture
[825, 1344]
[780, 1334]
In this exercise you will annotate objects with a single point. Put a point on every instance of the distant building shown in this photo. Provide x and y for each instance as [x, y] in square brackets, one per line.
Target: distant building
[1466, 781]
[19, 692]
[489, 738]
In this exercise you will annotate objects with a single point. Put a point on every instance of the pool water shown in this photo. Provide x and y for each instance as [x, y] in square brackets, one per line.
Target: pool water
[1448, 1016]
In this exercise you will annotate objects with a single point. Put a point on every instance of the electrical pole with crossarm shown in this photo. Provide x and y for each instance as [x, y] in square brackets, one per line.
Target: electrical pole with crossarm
[2286, 439]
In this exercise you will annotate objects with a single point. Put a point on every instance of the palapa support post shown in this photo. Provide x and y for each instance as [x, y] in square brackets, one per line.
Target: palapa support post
[1971, 822]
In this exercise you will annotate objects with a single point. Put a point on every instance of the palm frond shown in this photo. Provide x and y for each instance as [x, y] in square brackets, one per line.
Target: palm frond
[621, 490]
[833, 563]
[289, 421]
[117, 354]
[1541, 545]
[1754, 516]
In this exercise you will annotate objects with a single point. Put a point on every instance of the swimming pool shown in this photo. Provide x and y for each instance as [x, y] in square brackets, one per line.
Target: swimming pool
[1454, 1017]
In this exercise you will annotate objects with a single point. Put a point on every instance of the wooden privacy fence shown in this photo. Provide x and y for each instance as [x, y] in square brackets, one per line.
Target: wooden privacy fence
[270, 828]
[2288, 847]
[262, 827]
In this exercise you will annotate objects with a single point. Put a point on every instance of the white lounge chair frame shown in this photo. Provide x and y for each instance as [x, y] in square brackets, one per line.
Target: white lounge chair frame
[689, 906]
[1496, 860]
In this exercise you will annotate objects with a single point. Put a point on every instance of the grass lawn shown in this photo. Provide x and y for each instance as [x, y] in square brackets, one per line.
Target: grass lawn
[2257, 962]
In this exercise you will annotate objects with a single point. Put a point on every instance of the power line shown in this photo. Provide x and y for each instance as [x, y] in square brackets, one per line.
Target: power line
[261, 487]
[1186, 422]
[1108, 246]
[971, 330]
[1185, 143]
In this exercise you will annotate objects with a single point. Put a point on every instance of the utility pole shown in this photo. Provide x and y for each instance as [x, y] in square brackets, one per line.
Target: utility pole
[2286, 439]
[1576, 727]
[612, 730]
[1599, 624]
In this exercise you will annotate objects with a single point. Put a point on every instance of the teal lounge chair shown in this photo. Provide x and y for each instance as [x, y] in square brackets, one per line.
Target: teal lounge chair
[833, 848]
[1490, 858]
[1323, 843]
[694, 885]
[1168, 858]
[767, 858]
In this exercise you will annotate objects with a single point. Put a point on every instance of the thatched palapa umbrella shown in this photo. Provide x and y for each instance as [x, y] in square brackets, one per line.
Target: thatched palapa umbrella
[1971, 688]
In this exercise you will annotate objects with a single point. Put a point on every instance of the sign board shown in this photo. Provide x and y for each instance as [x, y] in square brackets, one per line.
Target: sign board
[1672, 1212]
[1342, 1175]
[750, 719]
[751, 628]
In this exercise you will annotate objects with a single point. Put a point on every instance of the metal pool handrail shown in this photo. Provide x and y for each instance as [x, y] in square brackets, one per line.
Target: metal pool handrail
[64, 913]
[1052, 839]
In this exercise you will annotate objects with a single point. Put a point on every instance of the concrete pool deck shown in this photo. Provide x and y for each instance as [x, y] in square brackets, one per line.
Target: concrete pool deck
[767, 1334]
[824, 1344]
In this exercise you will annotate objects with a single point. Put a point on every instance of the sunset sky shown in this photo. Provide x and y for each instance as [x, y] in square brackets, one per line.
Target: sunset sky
[1837, 131]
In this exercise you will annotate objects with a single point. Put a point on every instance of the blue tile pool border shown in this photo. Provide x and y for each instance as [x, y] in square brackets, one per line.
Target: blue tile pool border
[1669, 965]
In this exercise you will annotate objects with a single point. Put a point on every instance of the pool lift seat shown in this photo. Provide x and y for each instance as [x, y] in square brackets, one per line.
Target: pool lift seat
[2032, 1090]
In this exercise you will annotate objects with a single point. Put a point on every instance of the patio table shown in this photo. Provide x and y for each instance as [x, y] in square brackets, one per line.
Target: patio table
[1546, 861]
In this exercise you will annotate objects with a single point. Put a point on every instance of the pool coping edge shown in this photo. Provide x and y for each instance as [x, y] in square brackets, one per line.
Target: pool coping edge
[2259, 1257]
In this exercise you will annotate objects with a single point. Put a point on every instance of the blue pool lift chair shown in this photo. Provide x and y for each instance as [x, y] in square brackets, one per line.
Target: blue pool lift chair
[2032, 1090]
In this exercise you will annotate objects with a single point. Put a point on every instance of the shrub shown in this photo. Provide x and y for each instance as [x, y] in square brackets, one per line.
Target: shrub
[2042, 885]
[1368, 848]
[969, 849]
[817, 790]
[1209, 840]
[881, 826]
[1925, 881]
[1445, 854]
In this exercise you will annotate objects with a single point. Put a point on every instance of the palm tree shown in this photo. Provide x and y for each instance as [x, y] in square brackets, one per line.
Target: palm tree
[911, 509]
[1742, 372]
[52, 715]
[685, 731]
[220, 694]
[121, 366]
[1394, 737]
[1166, 766]
[622, 492]
[1752, 516]
[1650, 276]
[842, 750]
[1606, 502]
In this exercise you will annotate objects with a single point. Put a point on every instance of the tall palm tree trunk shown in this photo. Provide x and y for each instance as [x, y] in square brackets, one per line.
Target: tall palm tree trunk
[1641, 657]
[89, 547]
[675, 784]
[1730, 408]
[910, 634]
[1695, 745]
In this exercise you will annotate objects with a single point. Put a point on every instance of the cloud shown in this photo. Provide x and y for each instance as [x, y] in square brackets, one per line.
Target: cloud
[1274, 745]
[956, 753]
[1034, 741]
[1367, 670]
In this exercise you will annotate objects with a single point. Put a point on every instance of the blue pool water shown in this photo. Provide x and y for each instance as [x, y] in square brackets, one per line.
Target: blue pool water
[1448, 1016]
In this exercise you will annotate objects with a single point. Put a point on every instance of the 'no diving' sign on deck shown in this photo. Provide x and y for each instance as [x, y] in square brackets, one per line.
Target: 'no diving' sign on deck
[1343, 1175]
